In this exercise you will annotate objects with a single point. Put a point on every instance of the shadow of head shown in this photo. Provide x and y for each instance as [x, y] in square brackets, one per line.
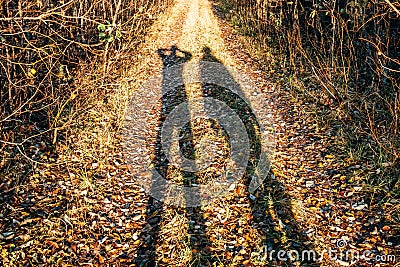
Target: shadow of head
[173, 56]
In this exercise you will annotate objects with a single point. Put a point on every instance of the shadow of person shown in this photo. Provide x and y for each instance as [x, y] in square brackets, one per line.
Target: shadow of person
[173, 94]
[271, 209]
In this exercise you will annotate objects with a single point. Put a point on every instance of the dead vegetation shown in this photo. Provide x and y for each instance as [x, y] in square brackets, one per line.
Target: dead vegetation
[56, 60]
[337, 64]
[60, 105]
[67, 197]
[342, 58]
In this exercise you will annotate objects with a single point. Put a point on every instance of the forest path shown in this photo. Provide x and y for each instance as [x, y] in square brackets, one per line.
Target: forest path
[232, 230]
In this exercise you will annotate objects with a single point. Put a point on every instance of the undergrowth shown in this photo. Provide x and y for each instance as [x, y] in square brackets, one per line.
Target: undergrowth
[60, 70]
[343, 68]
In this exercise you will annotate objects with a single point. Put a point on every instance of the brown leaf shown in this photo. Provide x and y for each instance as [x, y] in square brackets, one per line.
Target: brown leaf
[101, 259]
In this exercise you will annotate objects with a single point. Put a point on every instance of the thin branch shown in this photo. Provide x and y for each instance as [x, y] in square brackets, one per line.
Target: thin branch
[392, 6]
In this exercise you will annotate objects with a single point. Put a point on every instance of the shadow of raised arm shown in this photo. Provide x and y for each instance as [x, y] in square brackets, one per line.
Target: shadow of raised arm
[171, 58]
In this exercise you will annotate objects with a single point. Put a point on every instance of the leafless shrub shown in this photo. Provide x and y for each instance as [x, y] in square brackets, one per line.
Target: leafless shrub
[351, 48]
[49, 48]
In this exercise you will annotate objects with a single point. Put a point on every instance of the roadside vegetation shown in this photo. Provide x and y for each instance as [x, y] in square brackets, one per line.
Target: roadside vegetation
[341, 60]
[57, 60]
[62, 64]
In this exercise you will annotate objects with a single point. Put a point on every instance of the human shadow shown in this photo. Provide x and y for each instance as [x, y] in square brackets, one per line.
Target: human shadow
[173, 94]
[271, 208]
